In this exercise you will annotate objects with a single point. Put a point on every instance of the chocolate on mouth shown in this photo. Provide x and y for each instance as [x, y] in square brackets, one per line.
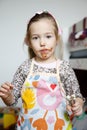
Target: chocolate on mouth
[44, 52]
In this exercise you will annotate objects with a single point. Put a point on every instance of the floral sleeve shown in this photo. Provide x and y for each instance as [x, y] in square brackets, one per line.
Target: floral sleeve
[69, 79]
[19, 78]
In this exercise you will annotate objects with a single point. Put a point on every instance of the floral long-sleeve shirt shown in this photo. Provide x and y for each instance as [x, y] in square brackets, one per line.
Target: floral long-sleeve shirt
[66, 73]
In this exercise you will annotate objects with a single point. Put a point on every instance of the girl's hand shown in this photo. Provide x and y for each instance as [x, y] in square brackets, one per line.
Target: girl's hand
[77, 107]
[6, 93]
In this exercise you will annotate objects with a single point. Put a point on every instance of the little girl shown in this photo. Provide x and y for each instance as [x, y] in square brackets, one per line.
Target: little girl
[43, 82]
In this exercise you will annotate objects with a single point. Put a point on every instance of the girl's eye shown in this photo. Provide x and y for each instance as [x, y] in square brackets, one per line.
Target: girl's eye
[35, 38]
[48, 36]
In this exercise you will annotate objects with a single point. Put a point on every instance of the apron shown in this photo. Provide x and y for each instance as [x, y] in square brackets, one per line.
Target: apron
[43, 102]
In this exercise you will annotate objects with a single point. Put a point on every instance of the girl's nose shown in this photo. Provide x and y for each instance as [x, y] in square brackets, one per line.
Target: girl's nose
[42, 42]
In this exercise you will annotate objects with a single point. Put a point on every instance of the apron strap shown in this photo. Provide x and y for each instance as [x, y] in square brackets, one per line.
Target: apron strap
[30, 72]
[58, 65]
[31, 67]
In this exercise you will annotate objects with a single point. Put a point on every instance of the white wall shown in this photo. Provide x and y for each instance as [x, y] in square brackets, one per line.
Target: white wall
[14, 15]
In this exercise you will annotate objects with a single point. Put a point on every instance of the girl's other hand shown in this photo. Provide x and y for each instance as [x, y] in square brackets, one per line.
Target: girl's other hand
[6, 92]
[76, 108]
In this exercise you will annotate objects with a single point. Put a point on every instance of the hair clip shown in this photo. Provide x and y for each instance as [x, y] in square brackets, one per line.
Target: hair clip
[39, 12]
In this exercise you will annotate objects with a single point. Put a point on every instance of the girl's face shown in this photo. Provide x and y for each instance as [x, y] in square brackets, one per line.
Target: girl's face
[43, 39]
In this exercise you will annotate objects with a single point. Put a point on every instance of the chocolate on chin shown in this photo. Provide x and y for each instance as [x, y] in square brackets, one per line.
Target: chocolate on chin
[44, 55]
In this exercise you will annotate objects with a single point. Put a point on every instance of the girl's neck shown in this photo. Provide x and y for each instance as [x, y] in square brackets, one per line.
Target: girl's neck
[45, 60]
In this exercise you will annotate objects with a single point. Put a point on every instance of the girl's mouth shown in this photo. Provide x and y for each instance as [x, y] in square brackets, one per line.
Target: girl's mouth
[44, 52]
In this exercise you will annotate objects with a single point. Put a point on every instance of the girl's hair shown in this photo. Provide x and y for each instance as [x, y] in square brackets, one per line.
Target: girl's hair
[35, 18]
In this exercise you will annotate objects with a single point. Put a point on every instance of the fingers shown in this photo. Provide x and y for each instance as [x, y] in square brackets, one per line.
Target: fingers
[78, 112]
[6, 86]
[68, 107]
[5, 89]
[77, 109]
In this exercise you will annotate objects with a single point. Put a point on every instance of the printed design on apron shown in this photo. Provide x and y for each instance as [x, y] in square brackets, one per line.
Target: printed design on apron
[43, 93]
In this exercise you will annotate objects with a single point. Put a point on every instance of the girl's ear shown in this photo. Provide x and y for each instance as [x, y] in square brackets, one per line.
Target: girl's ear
[26, 41]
